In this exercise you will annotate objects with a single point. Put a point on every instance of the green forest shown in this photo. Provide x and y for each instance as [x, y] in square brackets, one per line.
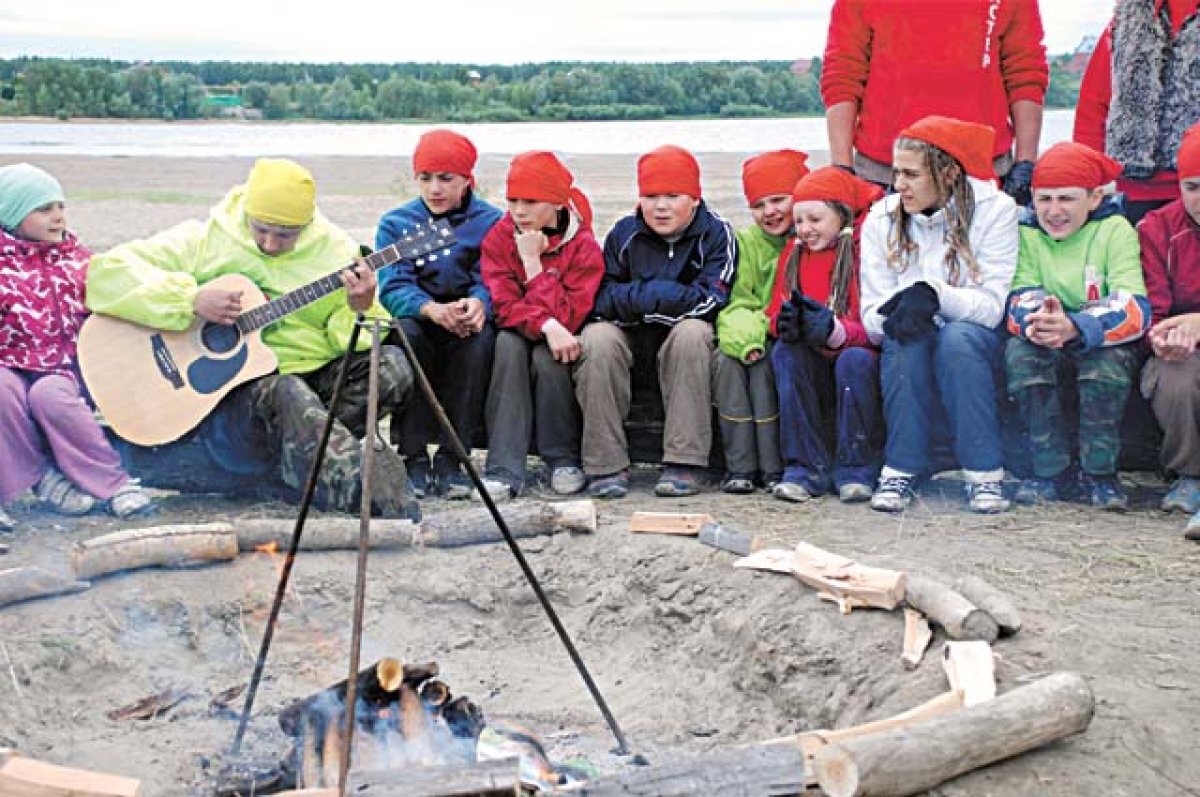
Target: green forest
[171, 90]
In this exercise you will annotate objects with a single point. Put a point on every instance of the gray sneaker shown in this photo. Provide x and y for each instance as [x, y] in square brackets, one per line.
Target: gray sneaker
[986, 498]
[567, 480]
[1184, 496]
[792, 492]
[893, 494]
[854, 493]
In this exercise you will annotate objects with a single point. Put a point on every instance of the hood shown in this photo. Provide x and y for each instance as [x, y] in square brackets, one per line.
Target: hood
[229, 216]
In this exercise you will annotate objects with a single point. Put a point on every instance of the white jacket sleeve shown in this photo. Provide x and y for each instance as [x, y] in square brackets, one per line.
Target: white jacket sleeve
[995, 241]
[877, 281]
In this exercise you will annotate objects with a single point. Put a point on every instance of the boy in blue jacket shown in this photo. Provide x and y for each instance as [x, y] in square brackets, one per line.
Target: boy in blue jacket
[668, 267]
[444, 309]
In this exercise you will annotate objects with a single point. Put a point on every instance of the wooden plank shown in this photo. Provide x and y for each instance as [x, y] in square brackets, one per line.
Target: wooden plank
[846, 582]
[497, 778]
[25, 777]
[917, 636]
[678, 523]
[971, 669]
[772, 771]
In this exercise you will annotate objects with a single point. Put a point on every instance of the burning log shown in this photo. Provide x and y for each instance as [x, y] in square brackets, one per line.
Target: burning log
[992, 601]
[753, 771]
[154, 546]
[379, 683]
[463, 718]
[435, 694]
[24, 777]
[922, 756]
[26, 583]
[961, 618]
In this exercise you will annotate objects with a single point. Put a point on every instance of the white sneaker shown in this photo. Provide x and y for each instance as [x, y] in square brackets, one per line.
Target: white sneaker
[60, 493]
[6, 521]
[567, 480]
[497, 489]
[894, 493]
[1183, 497]
[986, 498]
[793, 492]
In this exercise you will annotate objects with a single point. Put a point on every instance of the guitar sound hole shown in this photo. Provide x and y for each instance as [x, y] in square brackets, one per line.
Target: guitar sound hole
[220, 338]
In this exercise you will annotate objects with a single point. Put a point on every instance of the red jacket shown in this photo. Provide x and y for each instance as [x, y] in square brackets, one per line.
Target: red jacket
[1091, 118]
[572, 268]
[1171, 261]
[814, 276]
[41, 303]
[902, 60]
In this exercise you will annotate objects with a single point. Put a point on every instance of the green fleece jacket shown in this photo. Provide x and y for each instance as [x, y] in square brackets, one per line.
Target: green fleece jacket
[742, 326]
[154, 281]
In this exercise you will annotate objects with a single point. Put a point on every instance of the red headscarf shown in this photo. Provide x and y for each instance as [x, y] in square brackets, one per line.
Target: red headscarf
[1180, 12]
[831, 184]
[542, 177]
[1071, 165]
[445, 151]
[1189, 153]
[772, 173]
[972, 145]
[668, 170]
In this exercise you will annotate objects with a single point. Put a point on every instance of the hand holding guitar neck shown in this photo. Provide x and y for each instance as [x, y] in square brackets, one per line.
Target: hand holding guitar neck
[360, 283]
[218, 305]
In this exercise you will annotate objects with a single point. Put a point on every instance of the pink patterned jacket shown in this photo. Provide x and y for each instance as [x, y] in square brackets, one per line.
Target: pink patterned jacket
[41, 303]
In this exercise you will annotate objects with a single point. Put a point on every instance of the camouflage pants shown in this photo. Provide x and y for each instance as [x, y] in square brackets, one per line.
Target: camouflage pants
[294, 407]
[1043, 381]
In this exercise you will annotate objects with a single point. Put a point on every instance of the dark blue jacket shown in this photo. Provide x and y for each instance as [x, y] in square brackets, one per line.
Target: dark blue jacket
[405, 287]
[647, 279]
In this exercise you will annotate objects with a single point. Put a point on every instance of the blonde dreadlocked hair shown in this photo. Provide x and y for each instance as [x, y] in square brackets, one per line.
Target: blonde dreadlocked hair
[843, 264]
[957, 199]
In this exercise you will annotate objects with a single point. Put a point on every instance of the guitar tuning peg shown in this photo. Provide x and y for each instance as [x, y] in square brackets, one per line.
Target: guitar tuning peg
[432, 258]
[420, 261]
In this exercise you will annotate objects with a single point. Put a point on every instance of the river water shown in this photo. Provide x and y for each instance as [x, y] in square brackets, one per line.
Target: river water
[219, 139]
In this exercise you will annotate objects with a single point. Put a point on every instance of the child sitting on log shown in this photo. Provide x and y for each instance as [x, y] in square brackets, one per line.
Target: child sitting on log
[1078, 304]
[49, 438]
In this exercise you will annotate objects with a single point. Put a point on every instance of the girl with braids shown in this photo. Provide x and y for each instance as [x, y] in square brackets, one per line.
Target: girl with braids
[938, 257]
[826, 370]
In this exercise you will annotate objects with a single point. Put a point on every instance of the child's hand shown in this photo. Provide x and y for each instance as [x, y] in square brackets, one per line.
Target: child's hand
[1050, 326]
[530, 246]
[564, 347]
[1175, 338]
[218, 306]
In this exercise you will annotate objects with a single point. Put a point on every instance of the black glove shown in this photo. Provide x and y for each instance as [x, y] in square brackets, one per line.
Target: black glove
[789, 324]
[910, 313]
[1017, 182]
[818, 322]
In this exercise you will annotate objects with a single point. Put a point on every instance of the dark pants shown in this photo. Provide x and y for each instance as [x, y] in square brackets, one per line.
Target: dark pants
[1038, 378]
[828, 405]
[530, 394]
[748, 412]
[459, 370]
[943, 386]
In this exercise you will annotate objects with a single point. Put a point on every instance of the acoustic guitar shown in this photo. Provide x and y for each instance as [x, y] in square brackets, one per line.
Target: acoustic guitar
[153, 386]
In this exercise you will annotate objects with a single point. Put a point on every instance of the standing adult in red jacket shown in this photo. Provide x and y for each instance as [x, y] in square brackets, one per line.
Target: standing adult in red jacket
[889, 63]
[1140, 92]
[542, 266]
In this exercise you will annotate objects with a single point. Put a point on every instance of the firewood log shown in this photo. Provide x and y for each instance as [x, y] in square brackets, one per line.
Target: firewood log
[500, 778]
[992, 601]
[524, 519]
[917, 637]
[750, 771]
[961, 618]
[24, 777]
[678, 523]
[25, 583]
[376, 684]
[323, 533]
[918, 758]
[970, 669]
[154, 546]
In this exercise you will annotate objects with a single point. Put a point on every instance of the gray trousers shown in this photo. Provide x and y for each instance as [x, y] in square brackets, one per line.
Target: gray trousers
[748, 409]
[1173, 390]
[682, 356]
[528, 384]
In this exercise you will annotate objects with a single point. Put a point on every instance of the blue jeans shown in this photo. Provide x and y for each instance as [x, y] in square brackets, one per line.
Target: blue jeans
[942, 387]
[826, 401]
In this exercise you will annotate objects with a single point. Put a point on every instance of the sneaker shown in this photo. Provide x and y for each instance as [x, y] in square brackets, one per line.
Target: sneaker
[1034, 491]
[1184, 496]
[130, 499]
[567, 480]
[1105, 493]
[612, 485]
[791, 491]
[854, 493]
[1192, 530]
[498, 489]
[6, 521]
[769, 480]
[678, 481]
[986, 498]
[57, 491]
[893, 494]
[736, 484]
[419, 476]
[454, 485]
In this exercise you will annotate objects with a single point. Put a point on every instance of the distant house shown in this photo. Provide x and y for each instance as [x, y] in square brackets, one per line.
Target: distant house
[1077, 64]
[802, 66]
[473, 77]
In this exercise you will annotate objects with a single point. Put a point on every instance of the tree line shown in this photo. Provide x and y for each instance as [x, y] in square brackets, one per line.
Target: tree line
[170, 90]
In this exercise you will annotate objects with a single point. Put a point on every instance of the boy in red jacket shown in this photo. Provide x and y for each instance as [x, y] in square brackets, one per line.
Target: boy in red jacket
[542, 266]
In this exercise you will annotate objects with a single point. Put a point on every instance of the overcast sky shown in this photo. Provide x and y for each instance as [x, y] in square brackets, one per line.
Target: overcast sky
[452, 31]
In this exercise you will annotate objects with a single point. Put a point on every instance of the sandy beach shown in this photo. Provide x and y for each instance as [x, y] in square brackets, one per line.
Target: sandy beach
[692, 654]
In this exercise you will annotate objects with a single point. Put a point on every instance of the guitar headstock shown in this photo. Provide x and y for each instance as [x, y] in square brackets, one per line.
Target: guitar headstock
[419, 245]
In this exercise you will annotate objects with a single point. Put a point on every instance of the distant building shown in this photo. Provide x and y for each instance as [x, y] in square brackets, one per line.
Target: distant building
[802, 66]
[1078, 61]
[473, 77]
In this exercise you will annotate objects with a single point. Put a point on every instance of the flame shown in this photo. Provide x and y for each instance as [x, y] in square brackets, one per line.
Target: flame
[271, 547]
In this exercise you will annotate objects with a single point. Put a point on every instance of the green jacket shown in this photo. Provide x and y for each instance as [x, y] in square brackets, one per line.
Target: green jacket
[154, 281]
[1109, 247]
[742, 326]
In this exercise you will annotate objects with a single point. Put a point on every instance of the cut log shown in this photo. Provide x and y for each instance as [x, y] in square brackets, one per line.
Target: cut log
[499, 778]
[971, 669]
[770, 771]
[917, 758]
[323, 533]
[154, 546]
[678, 523]
[24, 777]
[917, 636]
[721, 536]
[961, 618]
[846, 582]
[26, 583]
[524, 519]
[378, 683]
[812, 742]
[992, 601]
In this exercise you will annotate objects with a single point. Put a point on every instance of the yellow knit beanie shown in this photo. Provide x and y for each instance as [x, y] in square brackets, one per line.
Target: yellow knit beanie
[281, 192]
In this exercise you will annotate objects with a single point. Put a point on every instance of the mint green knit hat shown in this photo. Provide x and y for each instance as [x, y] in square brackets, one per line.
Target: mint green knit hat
[24, 188]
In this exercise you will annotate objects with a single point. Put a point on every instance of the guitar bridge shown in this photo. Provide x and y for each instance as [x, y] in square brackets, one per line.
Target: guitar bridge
[165, 362]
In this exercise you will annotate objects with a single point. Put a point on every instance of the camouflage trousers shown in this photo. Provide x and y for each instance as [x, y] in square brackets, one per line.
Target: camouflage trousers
[294, 407]
[1047, 384]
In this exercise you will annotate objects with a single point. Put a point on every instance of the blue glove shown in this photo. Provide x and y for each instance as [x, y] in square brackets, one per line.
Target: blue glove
[789, 324]
[818, 322]
[1018, 181]
[910, 313]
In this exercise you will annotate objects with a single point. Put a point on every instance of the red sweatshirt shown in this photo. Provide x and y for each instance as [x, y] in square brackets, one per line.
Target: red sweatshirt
[902, 60]
[1170, 261]
[814, 277]
[572, 268]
